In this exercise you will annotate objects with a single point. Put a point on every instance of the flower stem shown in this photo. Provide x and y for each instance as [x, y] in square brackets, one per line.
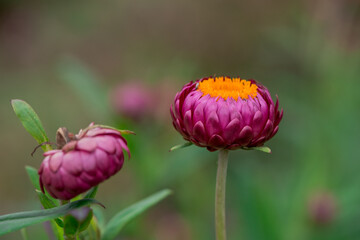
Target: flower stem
[220, 225]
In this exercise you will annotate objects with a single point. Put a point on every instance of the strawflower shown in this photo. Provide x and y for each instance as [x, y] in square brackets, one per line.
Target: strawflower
[223, 113]
[82, 162]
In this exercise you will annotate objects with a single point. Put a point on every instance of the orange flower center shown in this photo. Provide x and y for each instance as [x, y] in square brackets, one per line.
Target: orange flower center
[226, 87]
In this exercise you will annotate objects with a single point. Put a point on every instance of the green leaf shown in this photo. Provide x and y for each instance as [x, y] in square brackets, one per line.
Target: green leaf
[34, 176]
[261, 149]
[47, 204]
[92, 192]
[115, 224]
[30, 121]
[180, 146]
[15, 221]
[85, 85]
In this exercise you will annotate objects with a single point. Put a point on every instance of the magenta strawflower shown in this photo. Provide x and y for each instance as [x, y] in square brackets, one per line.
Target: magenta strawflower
[89, 158]
[225, 113]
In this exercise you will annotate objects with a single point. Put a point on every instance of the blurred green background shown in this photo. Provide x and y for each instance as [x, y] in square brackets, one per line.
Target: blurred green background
[66, 58]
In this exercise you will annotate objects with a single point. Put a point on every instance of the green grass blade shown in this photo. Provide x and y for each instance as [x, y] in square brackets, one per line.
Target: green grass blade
[15, 221]
[115, 224]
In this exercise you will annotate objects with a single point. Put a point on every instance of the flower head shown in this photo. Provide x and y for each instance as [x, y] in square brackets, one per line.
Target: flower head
[225, 113]
[322, 208]
[133, 100]
[89, 158]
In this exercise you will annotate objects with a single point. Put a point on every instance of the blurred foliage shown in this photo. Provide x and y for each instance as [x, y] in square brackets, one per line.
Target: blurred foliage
[307, 52]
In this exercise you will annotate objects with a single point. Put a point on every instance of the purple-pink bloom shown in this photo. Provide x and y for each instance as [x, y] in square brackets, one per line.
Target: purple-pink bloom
[93, 156]
[224, 113]
[133, 100]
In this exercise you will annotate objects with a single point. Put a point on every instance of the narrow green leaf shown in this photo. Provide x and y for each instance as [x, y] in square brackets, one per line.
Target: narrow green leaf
[85, 85]
[261, 149]
[180, 146]
[34, 176]
[30, 120]
[47, 204]
[92, 192]
[115, 224]
[15, 221]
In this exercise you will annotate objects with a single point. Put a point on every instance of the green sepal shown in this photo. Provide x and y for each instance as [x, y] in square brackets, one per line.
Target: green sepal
[84, 225]
[261, 149]
[15, 221]
[115, 224]
[31, 121]
[71, 225]
[92, 192]
[184, 145]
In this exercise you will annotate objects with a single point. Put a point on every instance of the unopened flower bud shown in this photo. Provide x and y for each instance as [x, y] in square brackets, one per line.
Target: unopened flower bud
[94, 155]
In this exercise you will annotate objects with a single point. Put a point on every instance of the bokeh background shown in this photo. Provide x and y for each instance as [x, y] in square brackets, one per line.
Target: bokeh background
[71, 60]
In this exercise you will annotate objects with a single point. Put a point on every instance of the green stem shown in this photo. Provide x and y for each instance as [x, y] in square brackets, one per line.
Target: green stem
[24, 234]
[220, 225]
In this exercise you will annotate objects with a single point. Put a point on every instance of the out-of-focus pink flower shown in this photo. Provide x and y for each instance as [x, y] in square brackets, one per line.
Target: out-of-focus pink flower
[91, 157]
[322, 208]
[225, 113]
[132, 100]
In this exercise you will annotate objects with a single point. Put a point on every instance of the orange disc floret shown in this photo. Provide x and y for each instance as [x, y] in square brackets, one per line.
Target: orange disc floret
[226, 87]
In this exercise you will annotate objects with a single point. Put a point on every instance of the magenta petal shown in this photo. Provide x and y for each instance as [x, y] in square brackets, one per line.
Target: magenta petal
[274, 131]
[70, 182]
[212, 124]
[102, 161]
[188, 121]
[199, 132]
[89, 162]
[224, 114]
[245, 136]
[268, 128]
[51, 152]
[199, 113]
[72, 163]
[106, 143]
[86, 144]
[217, 142]
[55, 161]
[123, 144]
[257, 123]
[231, 130]
[57, 182]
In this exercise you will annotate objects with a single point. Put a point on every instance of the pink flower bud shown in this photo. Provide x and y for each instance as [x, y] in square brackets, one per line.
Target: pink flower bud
[93, 156]
[133, 100]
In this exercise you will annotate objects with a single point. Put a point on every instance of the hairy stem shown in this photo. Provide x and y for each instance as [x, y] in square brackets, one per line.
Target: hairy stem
[220, 225]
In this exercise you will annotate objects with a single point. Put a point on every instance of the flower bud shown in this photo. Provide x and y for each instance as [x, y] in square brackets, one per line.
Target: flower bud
[94, 155]
[322, 208]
